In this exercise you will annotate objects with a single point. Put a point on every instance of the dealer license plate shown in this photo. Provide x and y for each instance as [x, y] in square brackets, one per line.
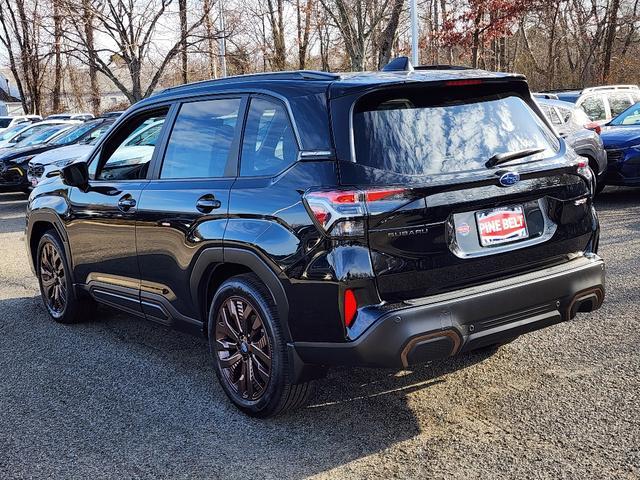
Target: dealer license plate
[501, 225]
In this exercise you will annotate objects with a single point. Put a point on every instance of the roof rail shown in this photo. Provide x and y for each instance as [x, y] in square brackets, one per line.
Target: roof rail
[398, 64]
[442, 67]
[609, 87]
[287, 75]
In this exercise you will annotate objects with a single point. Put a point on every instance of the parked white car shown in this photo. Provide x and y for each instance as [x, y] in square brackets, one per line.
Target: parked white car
[602, 103]
[10, 121]
[11, 136]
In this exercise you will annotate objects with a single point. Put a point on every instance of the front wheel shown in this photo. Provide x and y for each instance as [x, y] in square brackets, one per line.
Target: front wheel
[249, 350]
[56, 287]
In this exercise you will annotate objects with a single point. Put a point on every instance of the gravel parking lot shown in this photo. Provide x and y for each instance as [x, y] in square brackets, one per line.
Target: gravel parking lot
[121, 397]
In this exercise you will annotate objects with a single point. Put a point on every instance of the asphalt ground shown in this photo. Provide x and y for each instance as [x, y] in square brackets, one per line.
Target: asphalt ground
[119, 397]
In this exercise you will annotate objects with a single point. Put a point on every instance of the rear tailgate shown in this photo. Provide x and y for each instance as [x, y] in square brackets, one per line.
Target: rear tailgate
[454, 222]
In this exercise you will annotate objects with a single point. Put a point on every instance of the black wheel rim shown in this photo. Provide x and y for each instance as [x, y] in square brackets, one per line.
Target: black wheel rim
[53, 279]
[243, 349]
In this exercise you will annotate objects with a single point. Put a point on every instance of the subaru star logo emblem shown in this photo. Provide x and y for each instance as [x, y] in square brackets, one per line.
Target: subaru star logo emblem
[509, 178]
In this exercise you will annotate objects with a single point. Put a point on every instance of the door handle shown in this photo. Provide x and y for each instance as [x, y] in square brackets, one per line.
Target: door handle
[126, 203]
[207, 203]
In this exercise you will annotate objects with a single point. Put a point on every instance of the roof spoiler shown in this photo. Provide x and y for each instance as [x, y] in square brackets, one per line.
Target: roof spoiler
[403, 64]
[399, 64]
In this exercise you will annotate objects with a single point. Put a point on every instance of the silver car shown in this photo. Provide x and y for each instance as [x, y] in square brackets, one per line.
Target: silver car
[569, 121]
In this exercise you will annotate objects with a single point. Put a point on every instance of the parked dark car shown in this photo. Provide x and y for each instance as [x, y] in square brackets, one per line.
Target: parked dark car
[14, 162]
[621, 138]
[302, 220]
[52, 160]
[570, 123]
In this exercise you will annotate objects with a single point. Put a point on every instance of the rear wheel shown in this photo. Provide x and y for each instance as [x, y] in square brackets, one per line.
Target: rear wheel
[249, 351]
[56, 287]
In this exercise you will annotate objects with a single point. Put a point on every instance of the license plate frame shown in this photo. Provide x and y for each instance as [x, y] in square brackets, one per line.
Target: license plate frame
[501, 225]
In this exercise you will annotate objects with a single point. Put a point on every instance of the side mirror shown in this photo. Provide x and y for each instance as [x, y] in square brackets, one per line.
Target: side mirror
[76, 175]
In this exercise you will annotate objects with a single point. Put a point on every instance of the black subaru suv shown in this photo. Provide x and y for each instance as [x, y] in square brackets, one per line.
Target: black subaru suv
[302, 220]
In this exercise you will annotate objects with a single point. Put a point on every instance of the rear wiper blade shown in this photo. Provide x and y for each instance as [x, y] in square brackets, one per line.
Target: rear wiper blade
[499, 158]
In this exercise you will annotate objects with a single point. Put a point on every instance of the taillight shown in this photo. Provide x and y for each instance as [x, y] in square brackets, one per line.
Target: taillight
[350, 307]
[595, 126]
[342, 212]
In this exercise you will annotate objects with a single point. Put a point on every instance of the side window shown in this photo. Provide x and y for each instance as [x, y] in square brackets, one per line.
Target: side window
[269, 145]
[618, 103]
[551, 114]
[593, 106]
[565, 114]
[129, 152]
[201, 139]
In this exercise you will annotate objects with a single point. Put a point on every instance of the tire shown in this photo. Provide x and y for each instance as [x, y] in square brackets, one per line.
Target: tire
[52, 268]
[246, 343]
[600, 184]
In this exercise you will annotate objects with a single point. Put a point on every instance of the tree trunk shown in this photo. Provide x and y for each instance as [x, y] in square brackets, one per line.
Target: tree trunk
[476, 39]
[57, 69]
[87, 23]
[182, 8]
[276, 21]
[610, 38]
[304, 31]
[209, 31]
[388, 35]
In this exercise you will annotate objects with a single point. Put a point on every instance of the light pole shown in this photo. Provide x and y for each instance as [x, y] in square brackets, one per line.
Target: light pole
[414, 31]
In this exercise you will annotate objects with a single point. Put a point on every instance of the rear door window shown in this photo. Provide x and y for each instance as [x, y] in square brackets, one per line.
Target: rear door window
[594, 107]
[269, 145]
[406, 135]
[201, 139]
[551, 114]
[618, 102]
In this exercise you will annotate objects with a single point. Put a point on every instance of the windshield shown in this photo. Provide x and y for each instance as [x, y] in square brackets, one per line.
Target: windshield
[10, 132]
[41, 137]
[73, 134]
[631, 116]
[5, 122]
[406, 135]
[23, 133]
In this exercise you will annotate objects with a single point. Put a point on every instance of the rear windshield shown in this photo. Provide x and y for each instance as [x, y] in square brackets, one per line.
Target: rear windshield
[4, 122]
[411, 135]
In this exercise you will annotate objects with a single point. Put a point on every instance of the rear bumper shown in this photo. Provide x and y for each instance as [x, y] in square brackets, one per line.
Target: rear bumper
[444, 325]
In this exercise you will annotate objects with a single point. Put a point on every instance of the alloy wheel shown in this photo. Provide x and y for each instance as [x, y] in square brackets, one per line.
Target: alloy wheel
[53, 279]
[243, 348]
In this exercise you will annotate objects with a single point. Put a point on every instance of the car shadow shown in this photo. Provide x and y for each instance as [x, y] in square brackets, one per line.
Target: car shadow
[125, 385]
[12, 208]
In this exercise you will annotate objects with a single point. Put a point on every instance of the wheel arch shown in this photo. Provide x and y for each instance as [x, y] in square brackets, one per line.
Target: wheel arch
[41, 222]
[215, 265]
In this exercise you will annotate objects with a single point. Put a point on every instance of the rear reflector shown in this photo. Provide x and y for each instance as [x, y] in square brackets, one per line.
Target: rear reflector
[350, 307]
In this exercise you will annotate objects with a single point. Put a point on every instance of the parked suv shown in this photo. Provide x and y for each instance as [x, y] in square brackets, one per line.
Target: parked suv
[602, 103]
[570, 123]
[302, 220]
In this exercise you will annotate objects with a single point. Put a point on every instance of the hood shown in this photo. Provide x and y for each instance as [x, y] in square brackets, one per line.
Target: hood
[620, 136]
[17, 153]
[70, 152]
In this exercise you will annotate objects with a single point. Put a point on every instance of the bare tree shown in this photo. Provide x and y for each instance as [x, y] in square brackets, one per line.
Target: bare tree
[131, 27]
[275, 15]
[57, 69]
[357, 21]
[388, 35]
[303, 22]
[21, 35]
